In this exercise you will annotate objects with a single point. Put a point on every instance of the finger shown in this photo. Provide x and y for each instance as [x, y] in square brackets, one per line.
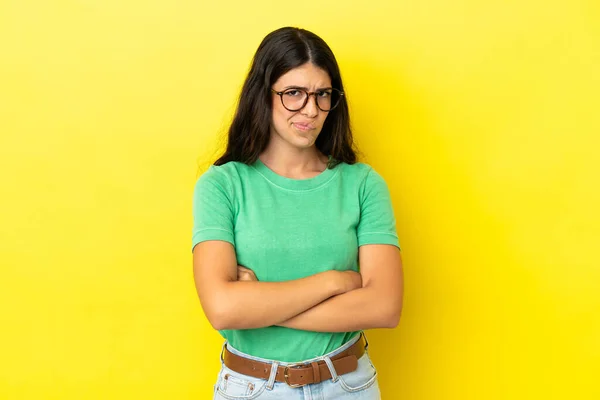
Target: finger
[246, 270]
[249, 276]
[245, 277]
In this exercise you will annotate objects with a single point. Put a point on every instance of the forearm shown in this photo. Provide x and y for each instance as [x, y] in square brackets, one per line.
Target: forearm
[359, 309]
[249, 305]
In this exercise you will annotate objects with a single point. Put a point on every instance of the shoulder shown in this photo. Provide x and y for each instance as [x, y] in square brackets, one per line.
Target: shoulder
[360, 172]
[365, 180]
[225, 179]
[224, 174]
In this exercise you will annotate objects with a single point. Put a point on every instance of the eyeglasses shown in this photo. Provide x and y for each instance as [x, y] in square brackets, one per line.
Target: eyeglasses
[295, 99]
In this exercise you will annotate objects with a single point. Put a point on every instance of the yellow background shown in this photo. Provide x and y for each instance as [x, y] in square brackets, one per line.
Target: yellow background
[483, 116]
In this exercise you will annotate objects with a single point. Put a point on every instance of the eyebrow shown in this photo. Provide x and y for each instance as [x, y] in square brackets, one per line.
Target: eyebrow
[305, 88]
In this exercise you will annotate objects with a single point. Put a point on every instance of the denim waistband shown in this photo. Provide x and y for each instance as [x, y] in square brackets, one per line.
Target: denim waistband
[320, 358]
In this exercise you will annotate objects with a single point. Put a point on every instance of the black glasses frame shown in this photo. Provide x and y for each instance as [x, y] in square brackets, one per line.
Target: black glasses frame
[308, 94]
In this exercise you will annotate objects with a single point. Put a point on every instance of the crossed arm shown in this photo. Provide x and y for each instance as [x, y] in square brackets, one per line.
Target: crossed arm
[331, 301]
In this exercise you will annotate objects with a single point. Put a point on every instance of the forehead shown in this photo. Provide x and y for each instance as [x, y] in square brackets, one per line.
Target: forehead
[307, 75]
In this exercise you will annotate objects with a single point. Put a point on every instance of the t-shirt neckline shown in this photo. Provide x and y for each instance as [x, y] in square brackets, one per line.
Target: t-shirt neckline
[294, 184]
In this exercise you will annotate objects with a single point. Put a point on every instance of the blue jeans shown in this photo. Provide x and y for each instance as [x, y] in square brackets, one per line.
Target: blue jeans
[358, 384]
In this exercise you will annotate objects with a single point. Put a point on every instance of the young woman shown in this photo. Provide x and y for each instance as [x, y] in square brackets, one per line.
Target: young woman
[282, 222]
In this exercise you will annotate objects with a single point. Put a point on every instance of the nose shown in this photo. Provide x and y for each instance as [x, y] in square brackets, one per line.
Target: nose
[311, 109]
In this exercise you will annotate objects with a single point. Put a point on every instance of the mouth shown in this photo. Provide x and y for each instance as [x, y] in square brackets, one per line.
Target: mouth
[303, 127]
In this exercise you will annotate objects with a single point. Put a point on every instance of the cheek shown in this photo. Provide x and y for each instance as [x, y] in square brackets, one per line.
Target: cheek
[281, 116]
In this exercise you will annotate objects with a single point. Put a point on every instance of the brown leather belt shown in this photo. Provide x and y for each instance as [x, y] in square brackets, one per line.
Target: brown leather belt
[298, 375]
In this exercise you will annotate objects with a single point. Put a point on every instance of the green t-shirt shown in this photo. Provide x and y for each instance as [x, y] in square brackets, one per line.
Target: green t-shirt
[285, 229]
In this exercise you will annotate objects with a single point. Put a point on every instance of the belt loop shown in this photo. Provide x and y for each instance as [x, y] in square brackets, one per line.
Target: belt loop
[271, 381]
[334, 375]
[316, 372]
[223, 351]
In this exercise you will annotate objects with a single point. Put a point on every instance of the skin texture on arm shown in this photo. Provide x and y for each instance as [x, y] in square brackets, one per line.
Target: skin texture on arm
[230, 303]
[377, 304]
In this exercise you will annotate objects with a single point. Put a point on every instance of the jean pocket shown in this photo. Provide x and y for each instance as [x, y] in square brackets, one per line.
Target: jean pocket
[232, 385]
[362, 378]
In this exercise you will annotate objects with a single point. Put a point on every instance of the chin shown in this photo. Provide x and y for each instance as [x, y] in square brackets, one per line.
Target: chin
[303, 143]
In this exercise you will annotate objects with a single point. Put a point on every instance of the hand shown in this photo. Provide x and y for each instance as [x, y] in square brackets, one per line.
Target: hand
[350, 280]
[246, 274]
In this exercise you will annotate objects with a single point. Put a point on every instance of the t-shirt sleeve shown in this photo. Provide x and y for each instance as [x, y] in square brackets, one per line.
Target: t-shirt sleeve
[213, 210]
[377, 224]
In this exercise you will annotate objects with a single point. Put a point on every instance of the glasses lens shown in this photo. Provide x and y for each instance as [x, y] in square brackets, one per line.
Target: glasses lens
[328, 99]
[293, 99]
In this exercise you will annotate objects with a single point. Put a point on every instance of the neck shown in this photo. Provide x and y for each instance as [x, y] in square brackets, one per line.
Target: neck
[294, 162]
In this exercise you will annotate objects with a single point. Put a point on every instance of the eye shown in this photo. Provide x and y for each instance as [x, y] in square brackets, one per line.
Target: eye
[293, 93]
[324, 93]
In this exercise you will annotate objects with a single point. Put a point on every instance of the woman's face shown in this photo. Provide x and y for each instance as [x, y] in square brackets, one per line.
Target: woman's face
[299, 128]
